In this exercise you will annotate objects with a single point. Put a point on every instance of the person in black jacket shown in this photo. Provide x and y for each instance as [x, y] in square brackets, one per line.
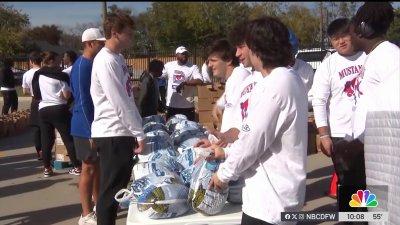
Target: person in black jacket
[7, 87]
[149, 92]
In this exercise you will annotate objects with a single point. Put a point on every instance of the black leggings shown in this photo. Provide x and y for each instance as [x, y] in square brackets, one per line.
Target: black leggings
[35, 123]
[58, 117]
[10, 101]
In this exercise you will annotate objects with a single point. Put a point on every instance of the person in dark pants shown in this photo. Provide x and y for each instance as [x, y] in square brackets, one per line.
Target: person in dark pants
[117, 130]
[7, 87]
[51, 88]
[35, 61]
[162, 107]
[149, 92]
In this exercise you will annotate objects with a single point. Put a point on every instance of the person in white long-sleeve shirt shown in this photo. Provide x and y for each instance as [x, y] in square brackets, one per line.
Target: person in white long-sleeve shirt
[271, 151]
[237, 38]
[333, 100]
[304, 69]
[225, 65]
[117, 126]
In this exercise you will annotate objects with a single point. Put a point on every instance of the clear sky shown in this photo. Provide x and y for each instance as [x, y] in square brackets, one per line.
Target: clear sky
[69, 13]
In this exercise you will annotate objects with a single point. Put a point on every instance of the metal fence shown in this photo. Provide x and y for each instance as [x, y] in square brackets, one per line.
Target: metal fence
[139, 61]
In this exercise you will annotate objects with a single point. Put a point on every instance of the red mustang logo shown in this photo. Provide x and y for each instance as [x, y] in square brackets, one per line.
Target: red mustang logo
[179, 77]
[349, 87]
[243, 106]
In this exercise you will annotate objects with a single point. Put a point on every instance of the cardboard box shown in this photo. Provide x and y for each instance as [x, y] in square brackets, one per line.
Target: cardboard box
[205, 116]
[59, 140]
[203, 92]
[209, 125]
[218, 93]
[61, 153]
[204, 105]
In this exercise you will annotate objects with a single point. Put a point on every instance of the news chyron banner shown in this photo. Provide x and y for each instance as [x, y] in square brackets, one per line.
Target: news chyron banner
[355, 203]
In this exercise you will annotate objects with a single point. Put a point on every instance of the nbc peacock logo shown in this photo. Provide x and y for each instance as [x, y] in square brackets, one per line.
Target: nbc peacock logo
[363, 199]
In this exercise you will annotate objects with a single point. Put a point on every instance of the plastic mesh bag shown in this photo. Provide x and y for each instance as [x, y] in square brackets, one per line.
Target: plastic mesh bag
[200, 198]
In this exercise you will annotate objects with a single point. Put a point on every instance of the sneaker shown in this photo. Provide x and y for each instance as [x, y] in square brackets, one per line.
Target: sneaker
[48, 172]
[75, 171]
[89, 219]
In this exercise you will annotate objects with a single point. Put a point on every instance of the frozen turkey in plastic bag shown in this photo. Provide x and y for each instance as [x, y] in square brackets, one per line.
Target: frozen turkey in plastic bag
[158, 197]
[153, 118]
[200, 198]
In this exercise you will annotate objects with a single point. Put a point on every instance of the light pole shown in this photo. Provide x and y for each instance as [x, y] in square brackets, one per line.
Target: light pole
[104, 12]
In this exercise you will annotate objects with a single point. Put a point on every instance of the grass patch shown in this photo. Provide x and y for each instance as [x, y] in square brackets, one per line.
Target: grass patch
[19, 91]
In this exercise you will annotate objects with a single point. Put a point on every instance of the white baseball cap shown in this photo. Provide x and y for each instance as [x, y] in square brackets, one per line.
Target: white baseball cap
[92, 34]
[181, 49]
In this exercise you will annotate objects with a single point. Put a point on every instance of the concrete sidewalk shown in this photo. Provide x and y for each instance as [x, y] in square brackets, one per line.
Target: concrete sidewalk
[26, 197]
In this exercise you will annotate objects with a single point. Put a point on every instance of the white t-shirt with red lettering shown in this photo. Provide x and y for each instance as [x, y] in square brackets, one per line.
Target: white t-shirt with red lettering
[231, 98]
[115, 111]
[333, 92]
[177, 74]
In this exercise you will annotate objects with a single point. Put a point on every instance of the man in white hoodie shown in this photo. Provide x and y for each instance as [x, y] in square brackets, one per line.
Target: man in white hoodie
[271, 151]
[117, 126]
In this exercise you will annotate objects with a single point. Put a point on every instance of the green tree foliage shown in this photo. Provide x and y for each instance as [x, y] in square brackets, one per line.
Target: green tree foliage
[304, 24]
[275, 9]
[335, 10]
[191, 23]
[115, 9]
[52, 34]
[12, 25]
[394, 30]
